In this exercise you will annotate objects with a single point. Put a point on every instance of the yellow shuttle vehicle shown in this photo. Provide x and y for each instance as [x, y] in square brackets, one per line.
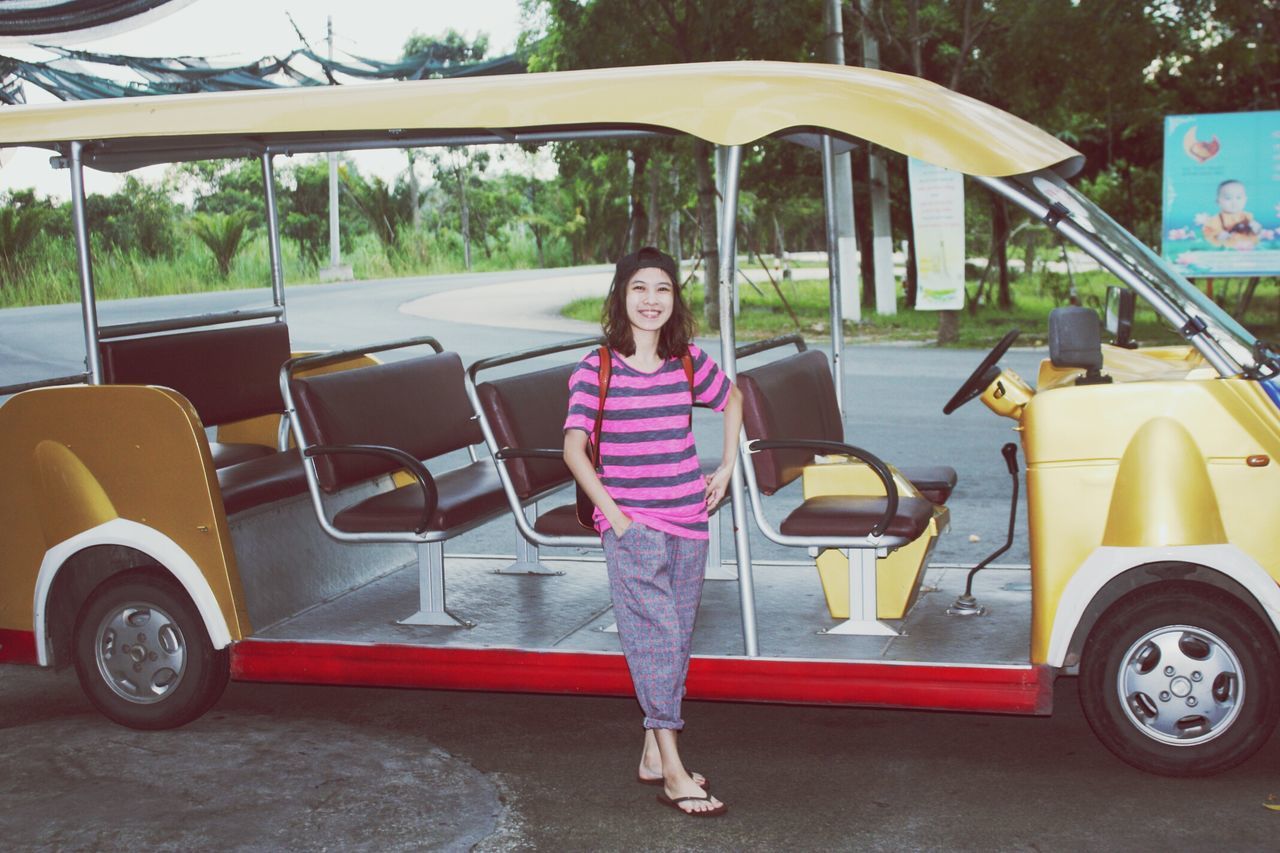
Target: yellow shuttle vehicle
[203, 502]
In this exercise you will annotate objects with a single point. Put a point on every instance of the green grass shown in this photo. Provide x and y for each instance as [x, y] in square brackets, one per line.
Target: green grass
[763, 316]
[47, 273]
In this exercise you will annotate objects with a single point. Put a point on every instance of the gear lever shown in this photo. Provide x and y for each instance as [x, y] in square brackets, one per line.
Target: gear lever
[966, 604]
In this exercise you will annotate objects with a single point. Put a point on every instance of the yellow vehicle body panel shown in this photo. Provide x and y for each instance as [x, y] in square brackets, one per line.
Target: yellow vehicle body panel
[728, 103]
[74, 457]
[1146, 464]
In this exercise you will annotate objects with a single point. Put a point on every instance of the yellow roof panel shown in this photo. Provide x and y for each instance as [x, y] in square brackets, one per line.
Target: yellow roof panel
[726, 103]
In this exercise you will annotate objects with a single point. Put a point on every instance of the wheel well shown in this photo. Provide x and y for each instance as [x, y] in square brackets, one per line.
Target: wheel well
[1184, 574]
[82, 573]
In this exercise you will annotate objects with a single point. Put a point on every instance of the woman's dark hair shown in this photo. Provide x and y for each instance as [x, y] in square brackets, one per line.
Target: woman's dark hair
[674, 337]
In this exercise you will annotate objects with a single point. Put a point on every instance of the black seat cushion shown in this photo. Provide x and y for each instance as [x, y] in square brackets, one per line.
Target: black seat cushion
[226, 454]
[418, 405]
[468, 495]
[791, 398]
[845, 515]
[935, 482]
[527, 412]
[561, 521]
[228, 374]
[258, 481]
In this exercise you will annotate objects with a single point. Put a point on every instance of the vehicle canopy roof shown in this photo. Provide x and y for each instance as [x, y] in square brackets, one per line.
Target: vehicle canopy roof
[727, 103]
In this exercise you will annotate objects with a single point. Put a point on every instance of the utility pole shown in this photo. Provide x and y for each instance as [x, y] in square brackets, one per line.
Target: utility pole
[833, 52]
[335, 271]
[881, 233]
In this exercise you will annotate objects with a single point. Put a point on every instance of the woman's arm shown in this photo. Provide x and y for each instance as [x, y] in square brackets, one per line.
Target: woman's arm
[718, 482]
[575, 456]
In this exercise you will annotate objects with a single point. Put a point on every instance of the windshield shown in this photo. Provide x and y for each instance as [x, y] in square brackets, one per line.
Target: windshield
[1237, 341]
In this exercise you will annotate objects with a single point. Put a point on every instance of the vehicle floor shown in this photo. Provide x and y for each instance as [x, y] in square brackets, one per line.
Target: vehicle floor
[571, 612]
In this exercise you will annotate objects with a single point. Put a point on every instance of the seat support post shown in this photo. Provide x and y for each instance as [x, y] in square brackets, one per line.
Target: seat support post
[862, 619]
[431, 609]
[528, 560]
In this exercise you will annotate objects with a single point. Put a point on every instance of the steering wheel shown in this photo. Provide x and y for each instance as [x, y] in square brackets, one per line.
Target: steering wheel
[983, 375]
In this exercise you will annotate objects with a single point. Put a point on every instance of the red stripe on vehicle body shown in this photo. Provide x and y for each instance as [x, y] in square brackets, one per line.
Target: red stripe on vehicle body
[1010, 690]
[18, 646]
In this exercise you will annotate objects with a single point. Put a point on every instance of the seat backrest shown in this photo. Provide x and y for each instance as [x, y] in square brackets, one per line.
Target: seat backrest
[418, 405]
[228, 374]
[793, 398]
[528, 412]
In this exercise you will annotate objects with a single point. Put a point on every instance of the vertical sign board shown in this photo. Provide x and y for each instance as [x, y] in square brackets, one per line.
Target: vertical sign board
[1222, 194]
[937, 216]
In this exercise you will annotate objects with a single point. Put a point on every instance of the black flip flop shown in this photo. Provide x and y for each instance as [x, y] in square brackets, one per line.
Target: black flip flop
[675, 804]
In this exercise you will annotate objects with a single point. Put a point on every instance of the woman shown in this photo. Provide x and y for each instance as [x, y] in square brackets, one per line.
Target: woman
[651, 498]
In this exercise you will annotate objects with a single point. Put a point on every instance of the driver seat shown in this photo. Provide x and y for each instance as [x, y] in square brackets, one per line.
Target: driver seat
[802, 383]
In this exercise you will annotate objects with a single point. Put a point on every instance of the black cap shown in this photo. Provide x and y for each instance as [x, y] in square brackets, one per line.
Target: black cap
[645, 258]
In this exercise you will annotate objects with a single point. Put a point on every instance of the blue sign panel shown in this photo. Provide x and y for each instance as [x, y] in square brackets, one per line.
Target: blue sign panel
[1222, 194]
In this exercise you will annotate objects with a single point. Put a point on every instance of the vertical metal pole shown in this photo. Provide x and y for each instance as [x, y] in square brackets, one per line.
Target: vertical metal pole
[833, 268]
[729, 362]
[334, 233]
[273, 232]
[88, 304]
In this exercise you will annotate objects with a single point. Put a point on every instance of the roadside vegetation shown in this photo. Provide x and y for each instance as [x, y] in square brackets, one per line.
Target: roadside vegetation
[762, 313]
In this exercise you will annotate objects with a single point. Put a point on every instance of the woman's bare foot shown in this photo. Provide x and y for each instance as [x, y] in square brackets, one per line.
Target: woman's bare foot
[679, 789]
[650, 771]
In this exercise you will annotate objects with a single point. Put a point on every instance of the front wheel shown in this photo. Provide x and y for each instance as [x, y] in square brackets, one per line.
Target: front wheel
[1181, 681]
[143, 655]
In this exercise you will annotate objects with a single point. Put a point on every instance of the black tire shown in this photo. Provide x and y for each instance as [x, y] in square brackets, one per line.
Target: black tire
[164, 672]
[1198, 692]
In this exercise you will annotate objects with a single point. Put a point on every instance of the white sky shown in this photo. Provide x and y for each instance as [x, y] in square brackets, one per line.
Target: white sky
[235, 30]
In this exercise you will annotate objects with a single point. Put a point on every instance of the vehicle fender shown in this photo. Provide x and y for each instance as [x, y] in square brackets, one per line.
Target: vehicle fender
[1110, 572]
[147, 540]
[1163, 494]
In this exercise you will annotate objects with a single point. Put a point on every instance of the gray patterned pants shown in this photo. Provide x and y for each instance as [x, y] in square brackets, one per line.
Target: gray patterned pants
[655, 581]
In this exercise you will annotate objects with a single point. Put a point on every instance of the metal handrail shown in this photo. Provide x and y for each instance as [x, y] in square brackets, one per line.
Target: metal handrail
[73, 379]
[757, 347]
[534, 352]
[194, 321]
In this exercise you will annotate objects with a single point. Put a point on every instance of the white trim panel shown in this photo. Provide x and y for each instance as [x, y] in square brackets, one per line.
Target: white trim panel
[1108, 562]
[154, 544]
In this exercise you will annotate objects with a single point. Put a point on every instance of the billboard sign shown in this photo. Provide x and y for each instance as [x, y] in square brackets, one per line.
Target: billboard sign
[1222, 194]
[937, 214]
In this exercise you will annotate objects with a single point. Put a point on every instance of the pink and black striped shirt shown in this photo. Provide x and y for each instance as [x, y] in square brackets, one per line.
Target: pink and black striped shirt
[647, 455]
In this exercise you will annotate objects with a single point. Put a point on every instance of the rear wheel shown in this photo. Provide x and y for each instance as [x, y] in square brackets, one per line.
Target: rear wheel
[143, 655]
[1181, 681]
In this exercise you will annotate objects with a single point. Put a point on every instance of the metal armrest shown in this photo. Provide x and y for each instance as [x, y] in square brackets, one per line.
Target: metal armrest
[431, 496]
[835, 447]
[770, 343]
[528, 453]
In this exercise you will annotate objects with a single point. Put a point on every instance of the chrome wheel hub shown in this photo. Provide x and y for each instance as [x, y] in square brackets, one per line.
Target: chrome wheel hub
[141, 653]
[1180, 685]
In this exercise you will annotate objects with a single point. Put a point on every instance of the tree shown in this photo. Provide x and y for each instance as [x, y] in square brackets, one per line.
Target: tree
[304, 214]
[222, 233]
[384, 208]
[601, 33]
[23, 218]
[138, 216]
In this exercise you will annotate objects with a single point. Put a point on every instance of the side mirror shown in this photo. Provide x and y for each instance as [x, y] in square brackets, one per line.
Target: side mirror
[1119, 322]
[1075, 340]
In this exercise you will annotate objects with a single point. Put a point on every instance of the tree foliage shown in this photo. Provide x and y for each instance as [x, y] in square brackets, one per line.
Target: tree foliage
[223, 234]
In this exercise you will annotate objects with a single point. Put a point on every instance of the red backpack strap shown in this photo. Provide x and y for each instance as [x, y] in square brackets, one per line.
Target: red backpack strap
[686, 361]
[603, 375]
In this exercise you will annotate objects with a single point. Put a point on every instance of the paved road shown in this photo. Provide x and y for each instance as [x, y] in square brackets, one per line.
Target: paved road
[285, 767]
[276, 767]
